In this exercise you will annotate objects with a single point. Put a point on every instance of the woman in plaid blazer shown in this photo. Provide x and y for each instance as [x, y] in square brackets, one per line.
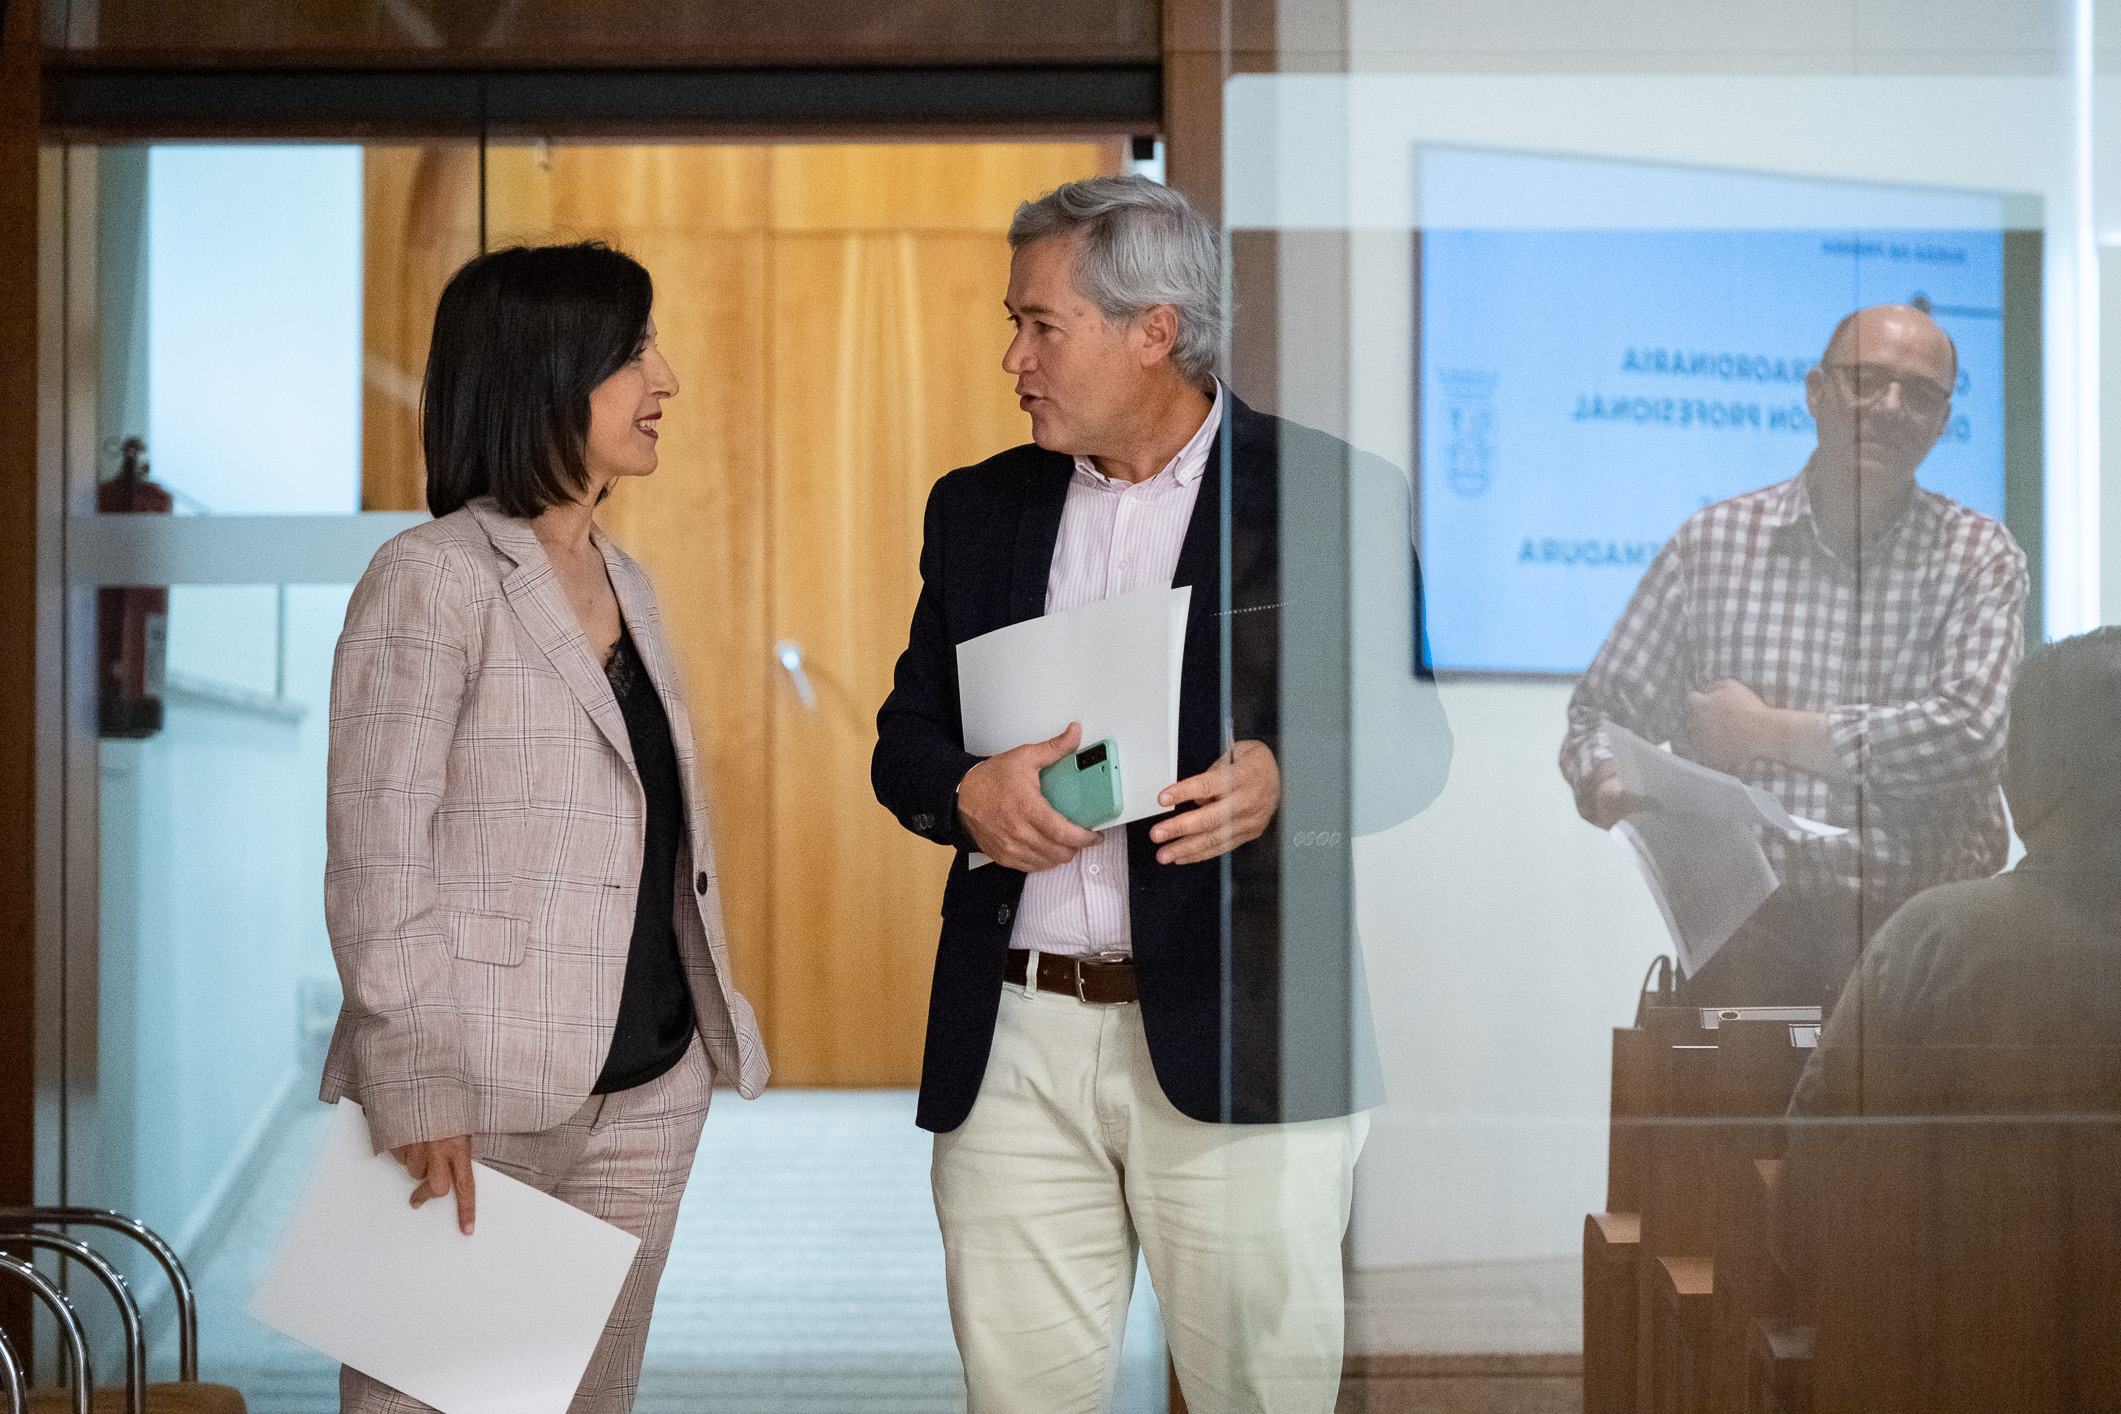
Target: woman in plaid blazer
[520, 882]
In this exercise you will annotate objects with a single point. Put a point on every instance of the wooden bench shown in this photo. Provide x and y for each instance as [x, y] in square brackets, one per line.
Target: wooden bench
[1955, 1229]
[1697, 1097]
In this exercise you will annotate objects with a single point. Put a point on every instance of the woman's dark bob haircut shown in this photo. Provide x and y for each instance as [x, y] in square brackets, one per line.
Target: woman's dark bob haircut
[522, 337]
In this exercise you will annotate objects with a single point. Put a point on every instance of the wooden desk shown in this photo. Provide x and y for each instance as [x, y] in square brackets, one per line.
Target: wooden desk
[1957, 1230]
[1948, 1242]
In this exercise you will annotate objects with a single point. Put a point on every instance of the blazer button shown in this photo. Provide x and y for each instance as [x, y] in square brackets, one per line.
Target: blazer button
[700, 883]
[1003, 915]
[924, 821]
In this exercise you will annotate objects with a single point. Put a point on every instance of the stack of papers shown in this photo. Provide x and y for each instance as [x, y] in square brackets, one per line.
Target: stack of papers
[1113, 666]
[1698, 844]
[501, 1322]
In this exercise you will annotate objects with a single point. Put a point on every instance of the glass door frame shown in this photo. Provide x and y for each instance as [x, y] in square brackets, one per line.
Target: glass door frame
[79, 552]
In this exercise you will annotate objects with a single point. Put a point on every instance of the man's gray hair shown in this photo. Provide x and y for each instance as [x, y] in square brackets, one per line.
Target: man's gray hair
[1143, 245]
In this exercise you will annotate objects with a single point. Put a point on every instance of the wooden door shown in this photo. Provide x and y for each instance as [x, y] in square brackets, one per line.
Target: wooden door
[834, 316]
[889, 265]
[420, 220]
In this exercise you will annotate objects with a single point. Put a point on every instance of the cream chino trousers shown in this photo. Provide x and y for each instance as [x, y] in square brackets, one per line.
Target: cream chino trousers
[1070, 1159]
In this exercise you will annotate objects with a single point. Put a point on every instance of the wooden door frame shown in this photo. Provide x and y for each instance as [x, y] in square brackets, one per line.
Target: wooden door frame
[20, 296]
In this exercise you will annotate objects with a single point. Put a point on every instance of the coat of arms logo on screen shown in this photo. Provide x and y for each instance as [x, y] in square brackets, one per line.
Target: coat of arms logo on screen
[1469, 428]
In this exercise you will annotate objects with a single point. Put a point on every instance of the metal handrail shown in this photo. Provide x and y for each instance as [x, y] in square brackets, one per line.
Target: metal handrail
[114, 1282]
[164, 1255]
[11, 1371]
[69, 1328]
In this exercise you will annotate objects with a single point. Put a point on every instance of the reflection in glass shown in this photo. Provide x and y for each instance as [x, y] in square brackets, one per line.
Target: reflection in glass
[1843, 640]
[1979, 1046]
[1597, 309]
[1686, 305]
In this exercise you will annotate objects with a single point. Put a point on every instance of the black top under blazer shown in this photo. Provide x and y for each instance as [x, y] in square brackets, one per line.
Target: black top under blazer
[988, 541]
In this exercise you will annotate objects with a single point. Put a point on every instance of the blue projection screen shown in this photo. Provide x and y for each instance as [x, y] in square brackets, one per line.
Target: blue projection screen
[1606, 347]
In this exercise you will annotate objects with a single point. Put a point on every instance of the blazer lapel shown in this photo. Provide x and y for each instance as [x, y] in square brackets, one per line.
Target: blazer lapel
[1037, 532]
[1200, 553]
[637, 603]
[534, 592]
[645, 621]
[1254, 510]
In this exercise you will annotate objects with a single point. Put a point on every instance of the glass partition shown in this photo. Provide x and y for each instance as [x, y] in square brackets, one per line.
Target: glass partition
[215, 528]
[262, 314]
[1654, 532]
[1739, 381]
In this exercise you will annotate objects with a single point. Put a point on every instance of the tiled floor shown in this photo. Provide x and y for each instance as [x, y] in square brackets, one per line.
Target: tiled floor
[1495, 1308]
[807, 1277]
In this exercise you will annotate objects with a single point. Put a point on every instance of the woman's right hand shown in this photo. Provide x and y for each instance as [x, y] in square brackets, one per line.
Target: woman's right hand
[442, 1166]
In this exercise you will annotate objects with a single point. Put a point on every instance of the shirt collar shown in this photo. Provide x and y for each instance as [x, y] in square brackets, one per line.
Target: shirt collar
[1789, 503]
[1192, 459]
[1788, 509]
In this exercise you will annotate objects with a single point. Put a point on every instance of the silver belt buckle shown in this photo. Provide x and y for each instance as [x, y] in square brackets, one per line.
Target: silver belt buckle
[1107, 956]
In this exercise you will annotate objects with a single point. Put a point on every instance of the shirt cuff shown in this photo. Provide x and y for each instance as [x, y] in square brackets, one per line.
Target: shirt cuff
[400, 1114]
[1586, 751]
[1848, 728]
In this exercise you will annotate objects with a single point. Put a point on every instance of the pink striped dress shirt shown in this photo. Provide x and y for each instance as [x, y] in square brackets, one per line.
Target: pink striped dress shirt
[1115, 537]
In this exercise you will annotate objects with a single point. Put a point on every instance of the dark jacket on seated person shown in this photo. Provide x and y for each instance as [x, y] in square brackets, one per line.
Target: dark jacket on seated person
[1949, 1207]
[2031, 957]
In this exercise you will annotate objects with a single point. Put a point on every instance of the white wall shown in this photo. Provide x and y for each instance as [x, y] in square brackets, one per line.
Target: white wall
[212, 917]
[1504, 939]
[202, 903]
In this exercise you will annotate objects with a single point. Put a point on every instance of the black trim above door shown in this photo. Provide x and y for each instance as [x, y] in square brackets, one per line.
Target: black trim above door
[121, 102]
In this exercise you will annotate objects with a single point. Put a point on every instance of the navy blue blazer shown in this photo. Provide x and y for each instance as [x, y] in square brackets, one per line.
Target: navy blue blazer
[1211, 1008]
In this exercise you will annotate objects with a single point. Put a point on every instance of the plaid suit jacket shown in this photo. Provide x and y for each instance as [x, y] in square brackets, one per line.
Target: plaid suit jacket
[484, 835]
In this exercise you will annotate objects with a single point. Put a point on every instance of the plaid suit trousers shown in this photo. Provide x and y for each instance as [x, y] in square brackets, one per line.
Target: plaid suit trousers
[624, 1158]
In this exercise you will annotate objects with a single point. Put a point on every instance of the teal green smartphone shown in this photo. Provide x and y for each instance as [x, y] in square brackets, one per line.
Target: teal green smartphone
[1084, 787]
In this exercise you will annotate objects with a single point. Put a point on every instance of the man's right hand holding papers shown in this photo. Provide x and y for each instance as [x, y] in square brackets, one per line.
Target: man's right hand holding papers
[1694, 835]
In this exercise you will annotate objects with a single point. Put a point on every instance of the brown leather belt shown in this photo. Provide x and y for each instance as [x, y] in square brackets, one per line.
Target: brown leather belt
[1103, 979]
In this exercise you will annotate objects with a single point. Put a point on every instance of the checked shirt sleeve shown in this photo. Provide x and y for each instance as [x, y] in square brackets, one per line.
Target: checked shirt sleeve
[1638, 678]
[1953, 735]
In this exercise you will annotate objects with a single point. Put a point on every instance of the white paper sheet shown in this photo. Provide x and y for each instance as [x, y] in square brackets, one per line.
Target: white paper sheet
[1690, 788]
[1698, 845]
[1113, 666]
[1707, 878]
[501, 1322]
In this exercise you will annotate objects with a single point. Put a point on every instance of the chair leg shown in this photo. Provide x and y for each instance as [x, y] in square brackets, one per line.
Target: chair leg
[1681, 1294]
[1778, 1367]
[1611, 1244]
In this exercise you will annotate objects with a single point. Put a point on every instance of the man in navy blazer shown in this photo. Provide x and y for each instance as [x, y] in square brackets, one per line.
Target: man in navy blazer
[1113, 1053]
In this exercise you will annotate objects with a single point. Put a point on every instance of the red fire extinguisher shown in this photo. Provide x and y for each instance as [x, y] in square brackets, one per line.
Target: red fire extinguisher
[132, 623]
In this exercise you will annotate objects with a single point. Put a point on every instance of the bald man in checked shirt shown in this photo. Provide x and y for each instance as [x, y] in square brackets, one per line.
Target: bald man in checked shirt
[1845, 639]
